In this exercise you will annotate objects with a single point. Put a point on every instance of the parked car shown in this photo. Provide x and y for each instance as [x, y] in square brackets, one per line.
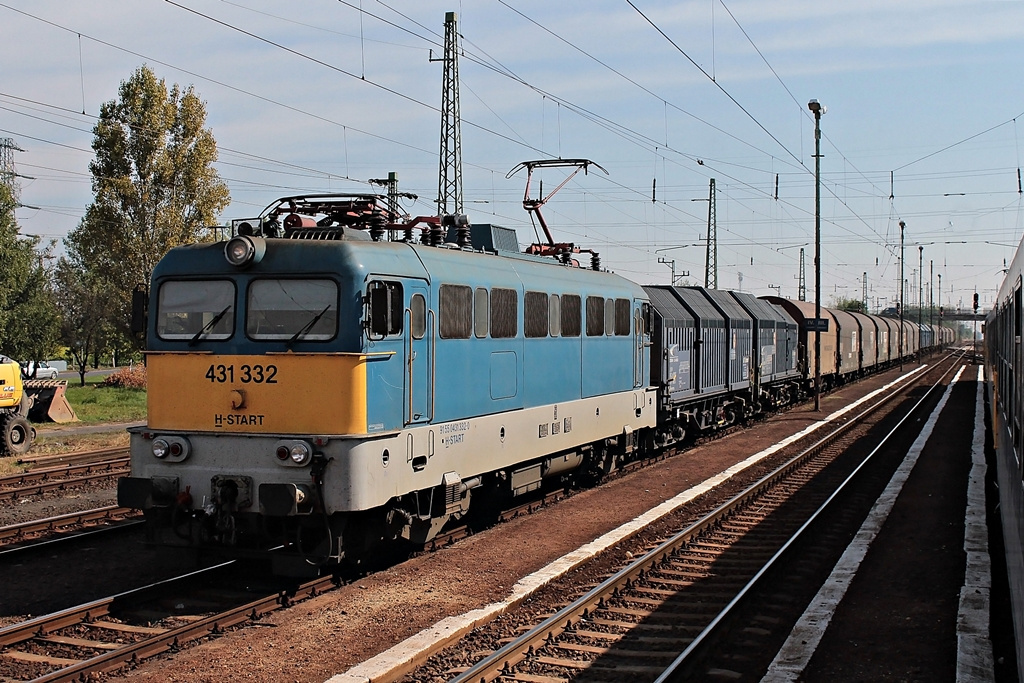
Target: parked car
[33, 369]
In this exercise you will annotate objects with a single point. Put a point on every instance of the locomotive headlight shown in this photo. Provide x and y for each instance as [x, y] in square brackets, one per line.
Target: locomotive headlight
[293, 452]
[300, 454]
[160, 448]
[242, 250]
[171, 448]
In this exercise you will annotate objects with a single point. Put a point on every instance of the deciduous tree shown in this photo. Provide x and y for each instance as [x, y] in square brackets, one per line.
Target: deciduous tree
[28, 317]
[154, 183]
[844, 304]
[84, 305]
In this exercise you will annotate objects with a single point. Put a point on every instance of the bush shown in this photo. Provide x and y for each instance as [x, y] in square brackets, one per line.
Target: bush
[127, 378]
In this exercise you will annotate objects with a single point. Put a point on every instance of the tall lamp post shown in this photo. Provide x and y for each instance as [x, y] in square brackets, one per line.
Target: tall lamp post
[920, 298]
[817, 109]
[931, 302]
[902, 259]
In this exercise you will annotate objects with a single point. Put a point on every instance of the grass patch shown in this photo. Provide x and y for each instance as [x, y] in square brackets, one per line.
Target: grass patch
[66, 443]
[96, 405]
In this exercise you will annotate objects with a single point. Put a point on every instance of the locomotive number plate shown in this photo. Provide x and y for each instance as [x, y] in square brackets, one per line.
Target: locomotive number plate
[246, 374]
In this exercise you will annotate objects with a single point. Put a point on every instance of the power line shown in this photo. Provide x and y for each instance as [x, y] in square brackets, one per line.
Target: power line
[717, 84]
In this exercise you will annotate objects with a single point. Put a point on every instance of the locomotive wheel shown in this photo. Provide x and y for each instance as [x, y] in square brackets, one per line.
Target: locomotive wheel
[17, 435]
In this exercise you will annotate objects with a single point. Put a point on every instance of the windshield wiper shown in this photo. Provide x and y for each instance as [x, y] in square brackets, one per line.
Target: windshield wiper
[208, 326]
[308, 326]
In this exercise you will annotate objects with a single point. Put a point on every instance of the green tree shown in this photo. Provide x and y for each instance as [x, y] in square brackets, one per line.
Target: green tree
[154, 183]
[843, 304]
[83, 303]
[29, 325]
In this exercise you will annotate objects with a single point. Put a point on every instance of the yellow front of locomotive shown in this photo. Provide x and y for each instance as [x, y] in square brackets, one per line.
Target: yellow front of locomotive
[276, 393]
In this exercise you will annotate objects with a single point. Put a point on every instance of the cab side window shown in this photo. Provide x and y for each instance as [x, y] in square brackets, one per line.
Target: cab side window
[385, 308]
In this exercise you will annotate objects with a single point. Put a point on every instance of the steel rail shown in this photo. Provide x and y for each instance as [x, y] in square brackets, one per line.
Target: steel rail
[159, 640]
[12, 480]
[500, 662]
[71, 519]
[59, 484]
[72, 456]
[67, 537]
[712, 628]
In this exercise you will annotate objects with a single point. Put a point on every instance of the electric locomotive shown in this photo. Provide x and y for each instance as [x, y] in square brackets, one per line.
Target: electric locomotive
[330, 380]
[316, 390]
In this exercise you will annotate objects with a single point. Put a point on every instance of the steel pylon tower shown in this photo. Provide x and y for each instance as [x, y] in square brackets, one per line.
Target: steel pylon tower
[8, 174]
[711, 261]
[802, 287]
[449, 187]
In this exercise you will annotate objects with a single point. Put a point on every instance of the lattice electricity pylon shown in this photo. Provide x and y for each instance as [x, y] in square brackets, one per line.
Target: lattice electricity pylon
[8, 174]
[711, 261]
[449, 186]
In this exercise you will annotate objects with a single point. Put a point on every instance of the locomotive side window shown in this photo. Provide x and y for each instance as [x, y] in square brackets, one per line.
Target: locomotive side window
[595, 316]
[481, 314]
[386, 310]
[571, 315]
[187, 308]
[554, 316]
[418, 316]
[535, 321]
[292, 309]
[622, 317]
[609, 317]
[504, 313]
[456, 311]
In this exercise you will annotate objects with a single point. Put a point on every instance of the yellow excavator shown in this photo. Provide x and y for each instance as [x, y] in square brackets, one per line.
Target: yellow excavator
[22, 400]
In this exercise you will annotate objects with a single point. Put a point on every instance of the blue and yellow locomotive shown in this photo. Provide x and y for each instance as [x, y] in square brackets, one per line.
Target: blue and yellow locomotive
[315, 388]
[328, 380]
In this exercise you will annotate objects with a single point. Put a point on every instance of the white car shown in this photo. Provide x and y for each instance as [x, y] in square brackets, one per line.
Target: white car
[42, 369]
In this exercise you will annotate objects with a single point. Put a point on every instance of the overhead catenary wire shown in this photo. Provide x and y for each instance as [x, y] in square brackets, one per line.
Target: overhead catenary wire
[749, 206]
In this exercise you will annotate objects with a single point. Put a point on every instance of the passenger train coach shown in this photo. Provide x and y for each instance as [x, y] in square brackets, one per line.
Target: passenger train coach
[317, 389]
[1005, 374]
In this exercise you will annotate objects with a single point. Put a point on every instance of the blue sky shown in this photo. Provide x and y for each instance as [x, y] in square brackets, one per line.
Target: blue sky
[923, 98]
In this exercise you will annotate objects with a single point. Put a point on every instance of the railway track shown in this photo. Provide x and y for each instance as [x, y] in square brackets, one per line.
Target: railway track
[49, 648]
[684, 593]
[73, 457]
[29, 534]
[36, 482]
[102, 635]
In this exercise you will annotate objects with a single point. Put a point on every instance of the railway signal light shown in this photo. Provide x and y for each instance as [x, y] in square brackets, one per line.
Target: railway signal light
[975, 302]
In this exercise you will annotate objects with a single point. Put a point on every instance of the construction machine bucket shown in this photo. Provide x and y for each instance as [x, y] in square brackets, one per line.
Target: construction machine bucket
[49, 401]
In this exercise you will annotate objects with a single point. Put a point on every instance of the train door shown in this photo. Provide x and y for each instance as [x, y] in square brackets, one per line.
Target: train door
[641, 319]
[419, 355]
